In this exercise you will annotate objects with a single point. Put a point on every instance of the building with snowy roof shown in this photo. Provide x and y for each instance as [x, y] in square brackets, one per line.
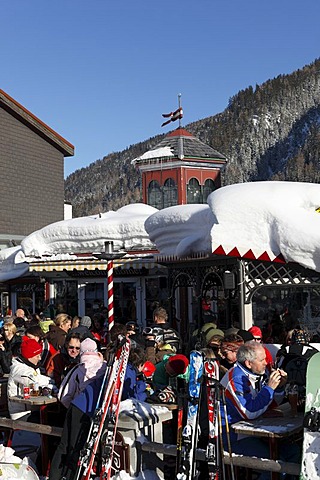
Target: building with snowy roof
[179, 170]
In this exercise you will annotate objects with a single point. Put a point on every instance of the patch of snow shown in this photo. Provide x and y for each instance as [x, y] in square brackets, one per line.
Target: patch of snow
[146, 475]
[182, 229]
[125, 228]
[156, 153]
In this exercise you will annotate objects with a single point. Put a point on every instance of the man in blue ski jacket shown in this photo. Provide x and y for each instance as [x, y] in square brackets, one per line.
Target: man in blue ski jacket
[248, 395]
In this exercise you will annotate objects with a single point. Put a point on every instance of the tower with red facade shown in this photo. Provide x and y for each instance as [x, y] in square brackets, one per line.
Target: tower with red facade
[179, 170]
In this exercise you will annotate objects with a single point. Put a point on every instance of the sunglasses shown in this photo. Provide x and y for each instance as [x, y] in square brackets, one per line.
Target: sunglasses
[73, 348]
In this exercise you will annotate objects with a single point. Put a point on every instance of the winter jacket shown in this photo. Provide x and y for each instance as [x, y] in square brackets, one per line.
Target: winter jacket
[133, 387]
[167, 335]
[76, 379]
[56, 336]
[247, 395]
[5, 361]
[22, 373]
[48, 351]
[86, 401]
[13, 345]
[59, 365]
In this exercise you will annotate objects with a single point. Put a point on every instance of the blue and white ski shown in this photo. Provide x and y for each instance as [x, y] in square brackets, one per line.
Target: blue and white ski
[187, 470]
[211, 372]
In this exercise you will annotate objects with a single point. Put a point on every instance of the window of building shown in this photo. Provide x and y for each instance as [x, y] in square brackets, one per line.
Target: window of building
[194, 191]
[208, 188]
[154, 194]
[170, 193]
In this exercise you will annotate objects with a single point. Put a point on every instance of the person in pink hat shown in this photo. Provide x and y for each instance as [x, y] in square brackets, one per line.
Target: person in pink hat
[91, 364]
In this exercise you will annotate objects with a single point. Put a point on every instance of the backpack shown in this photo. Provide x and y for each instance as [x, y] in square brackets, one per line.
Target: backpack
[295, 364]
[168, 336]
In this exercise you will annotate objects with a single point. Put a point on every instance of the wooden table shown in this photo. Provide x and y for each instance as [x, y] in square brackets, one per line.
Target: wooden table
[42, 401]
[272, 428]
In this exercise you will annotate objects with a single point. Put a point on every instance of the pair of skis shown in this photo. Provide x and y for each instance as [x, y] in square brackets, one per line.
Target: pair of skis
[105, 418]
[187, 468]
[200, 369]
[204, 374]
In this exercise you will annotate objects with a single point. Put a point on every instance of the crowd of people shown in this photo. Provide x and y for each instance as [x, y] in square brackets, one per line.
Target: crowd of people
[68, 357]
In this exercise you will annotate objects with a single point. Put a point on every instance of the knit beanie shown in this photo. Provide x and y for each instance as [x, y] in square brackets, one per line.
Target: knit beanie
[30, 347]
[177, 364]
[19, 322]
[246, 335]
[256, 331]
[213, 332]
[85, 321]
[231, 331]
[88, 346]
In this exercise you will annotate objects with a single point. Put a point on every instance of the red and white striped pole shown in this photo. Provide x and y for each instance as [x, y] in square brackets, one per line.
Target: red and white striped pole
[110, 295]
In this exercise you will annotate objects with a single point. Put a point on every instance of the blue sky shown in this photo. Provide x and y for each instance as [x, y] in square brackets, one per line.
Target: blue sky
[101, 72]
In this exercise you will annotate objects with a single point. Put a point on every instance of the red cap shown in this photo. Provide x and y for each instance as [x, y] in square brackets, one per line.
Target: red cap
[148, 369]
[30, 347]
[256, 331]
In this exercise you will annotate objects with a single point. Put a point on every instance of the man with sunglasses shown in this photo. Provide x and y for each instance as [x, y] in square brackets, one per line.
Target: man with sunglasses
[62, 361]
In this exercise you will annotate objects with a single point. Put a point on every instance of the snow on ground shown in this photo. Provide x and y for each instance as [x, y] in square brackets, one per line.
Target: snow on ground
[275, 217]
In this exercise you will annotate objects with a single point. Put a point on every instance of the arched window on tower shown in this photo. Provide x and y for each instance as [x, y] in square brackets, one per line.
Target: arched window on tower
[208, 188]
[193, 191]
[170, 193]
[154, 194]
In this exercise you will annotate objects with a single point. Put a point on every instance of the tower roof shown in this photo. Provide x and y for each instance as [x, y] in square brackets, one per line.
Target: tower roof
[181, 144]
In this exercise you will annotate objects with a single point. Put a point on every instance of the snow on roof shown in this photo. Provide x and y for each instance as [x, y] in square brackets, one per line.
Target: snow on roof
[275, 217]
[11, 264]
[125, 228]
[181, 230]
[279, 217]
[156, 153]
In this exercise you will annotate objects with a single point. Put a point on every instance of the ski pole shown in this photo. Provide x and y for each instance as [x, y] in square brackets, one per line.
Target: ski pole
[181, 396]
[216, 475]
[221, 443]
[228, 433]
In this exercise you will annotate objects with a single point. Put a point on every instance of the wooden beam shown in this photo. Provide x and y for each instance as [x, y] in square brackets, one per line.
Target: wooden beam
[30, 427]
